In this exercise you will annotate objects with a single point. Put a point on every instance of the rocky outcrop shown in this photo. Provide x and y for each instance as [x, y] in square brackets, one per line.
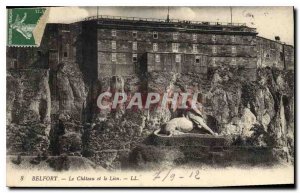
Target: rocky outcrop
[253, 113]
[28, 111]
[71, 91]
[69, 94]
[109, 134]
[257, 113]
[28, 97]
[240, 106]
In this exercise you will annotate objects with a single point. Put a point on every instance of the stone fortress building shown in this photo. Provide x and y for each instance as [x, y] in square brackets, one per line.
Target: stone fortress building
[110, 45]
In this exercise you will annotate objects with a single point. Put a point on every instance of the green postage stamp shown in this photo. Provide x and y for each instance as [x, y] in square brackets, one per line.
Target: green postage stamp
[22, 24]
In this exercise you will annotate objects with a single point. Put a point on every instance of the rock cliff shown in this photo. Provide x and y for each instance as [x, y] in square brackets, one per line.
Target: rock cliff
[28, 111]
[256, 113]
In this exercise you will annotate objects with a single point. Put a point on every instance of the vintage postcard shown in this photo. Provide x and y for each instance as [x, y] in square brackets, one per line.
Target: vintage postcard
[150, 96]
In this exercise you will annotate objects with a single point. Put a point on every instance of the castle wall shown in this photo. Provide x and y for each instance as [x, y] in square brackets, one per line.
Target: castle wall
[187, 63]
[122, 66]
[232, 49]
[289, 57]
[247, 62]
[272, 53]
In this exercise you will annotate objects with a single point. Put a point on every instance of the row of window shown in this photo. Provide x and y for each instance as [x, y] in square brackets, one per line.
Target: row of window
[233, 61]
[157, 58]
[175, 36]
[114, 57]
[233, 49]
[177, 58]
[175, 47]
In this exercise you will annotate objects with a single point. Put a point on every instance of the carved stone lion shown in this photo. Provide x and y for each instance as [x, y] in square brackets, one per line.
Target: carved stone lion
[177, 126]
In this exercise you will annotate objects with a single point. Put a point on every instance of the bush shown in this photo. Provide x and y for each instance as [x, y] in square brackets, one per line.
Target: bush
[59, 163]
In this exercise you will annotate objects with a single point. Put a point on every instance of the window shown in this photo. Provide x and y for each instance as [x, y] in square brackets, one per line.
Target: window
[113, 33]
[65, 54]
[214, 49]
[155, 47]
[157, 58]
[213, 38]
[178, 58]
[197, 59]
[155, 35]
[175, 47]
[113, 57]
[175, 36]
[134, 57]
[195, 48]
[113, 45]
[194, 37]
[233, 61]
[134, 34]
[233, 39]
[233, 50]
[134, 45]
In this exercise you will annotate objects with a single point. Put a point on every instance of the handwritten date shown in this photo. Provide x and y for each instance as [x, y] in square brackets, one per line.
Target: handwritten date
[171, 175]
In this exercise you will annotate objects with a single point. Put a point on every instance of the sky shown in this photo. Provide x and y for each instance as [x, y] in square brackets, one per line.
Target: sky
[269, 21]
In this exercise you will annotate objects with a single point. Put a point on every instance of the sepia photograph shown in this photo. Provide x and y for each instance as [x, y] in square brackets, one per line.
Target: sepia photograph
[150, 96]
